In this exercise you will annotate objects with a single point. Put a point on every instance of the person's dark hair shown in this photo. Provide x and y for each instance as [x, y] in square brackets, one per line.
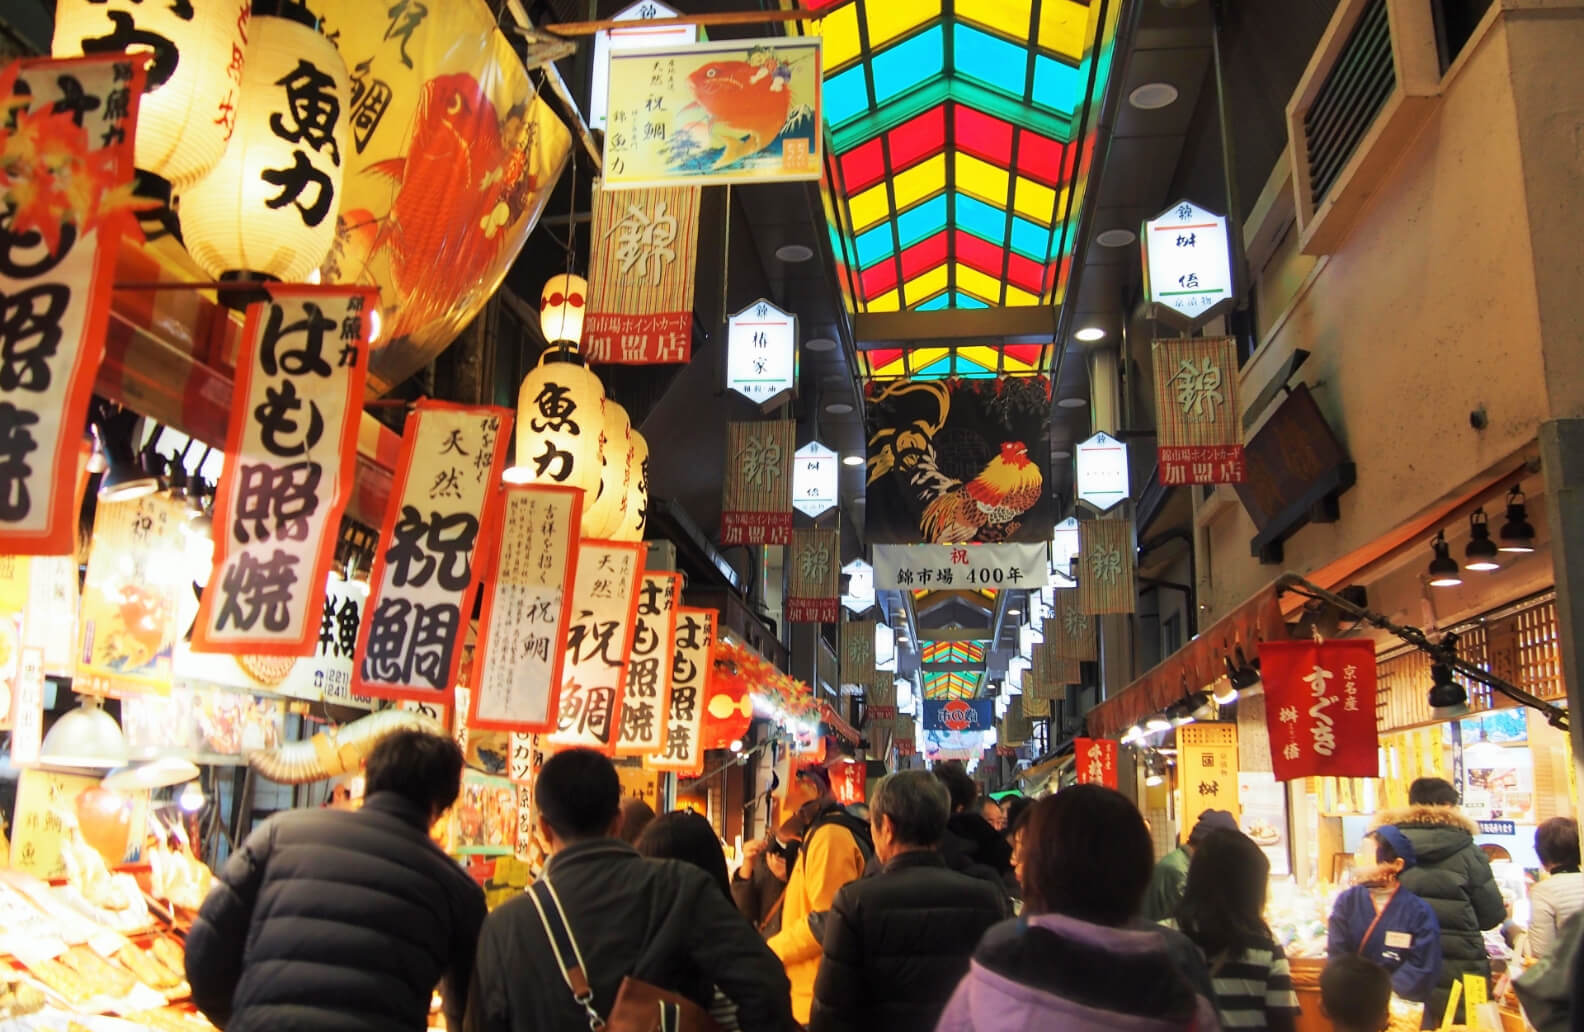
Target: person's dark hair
[686, 836]
[578, 794]
[1223, 904]
[1385, 852]
[1015, 807]
[1557, 842]
[1355, 994]
[1087, 855]
[964, 790]
[1432, 792]
[424, 768]
[917, 803]
[819, 775]
[635, 817]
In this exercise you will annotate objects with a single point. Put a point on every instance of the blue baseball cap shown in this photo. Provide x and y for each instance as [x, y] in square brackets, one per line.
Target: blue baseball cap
[1399, 843]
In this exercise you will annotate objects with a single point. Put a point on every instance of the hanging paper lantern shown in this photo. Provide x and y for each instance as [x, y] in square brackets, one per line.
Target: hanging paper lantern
[559, 419]
[561, 309]
[269, 207]
[728, 710]
[189, 104]
[637, 508]
[608, 510]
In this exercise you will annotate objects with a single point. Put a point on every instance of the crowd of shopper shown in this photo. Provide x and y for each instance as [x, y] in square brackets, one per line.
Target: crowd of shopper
[345, 920]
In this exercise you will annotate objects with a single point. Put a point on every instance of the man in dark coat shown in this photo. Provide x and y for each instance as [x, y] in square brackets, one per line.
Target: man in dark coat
[344, 921]
[661, 921]
[1454, 876]
[896, 944]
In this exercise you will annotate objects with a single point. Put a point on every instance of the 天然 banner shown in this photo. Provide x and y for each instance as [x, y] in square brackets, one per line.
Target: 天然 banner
[599, 637]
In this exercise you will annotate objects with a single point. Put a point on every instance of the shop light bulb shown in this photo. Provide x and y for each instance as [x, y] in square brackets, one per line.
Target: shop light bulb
[191, 799]
[737, 745]
[1154, 780]
[1444, 572]
[1157, 724]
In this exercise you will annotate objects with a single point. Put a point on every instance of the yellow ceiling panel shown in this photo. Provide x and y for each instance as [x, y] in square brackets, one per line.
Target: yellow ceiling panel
[925, 285]
[886, 302]
[839, 29]
[985, 288]
[922, 180]
[981, 179]
[1034, 200]
[1063, 26]
[868, 208]
[889, 19]
[1008, 17]
[921, 358]
[1016, 298]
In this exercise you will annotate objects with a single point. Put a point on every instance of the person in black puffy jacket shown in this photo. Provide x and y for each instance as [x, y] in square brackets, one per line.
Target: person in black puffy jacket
[344, 922]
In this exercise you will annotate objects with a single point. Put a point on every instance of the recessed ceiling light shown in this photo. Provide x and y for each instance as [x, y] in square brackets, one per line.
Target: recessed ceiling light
[853, 460]
[1073, 403]
[800, 253]
[1061, 453]
[820, 344]
[1090, 334]
[1115, 238]
[838, 408]
[1153, 95]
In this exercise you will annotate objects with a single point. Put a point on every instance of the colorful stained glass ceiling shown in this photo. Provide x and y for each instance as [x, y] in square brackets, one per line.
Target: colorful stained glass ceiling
[958, 146]
[951, 686]
[971, 361]
[954, 652]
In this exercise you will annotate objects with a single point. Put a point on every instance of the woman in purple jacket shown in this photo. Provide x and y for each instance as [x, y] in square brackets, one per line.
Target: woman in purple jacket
[1383, 922]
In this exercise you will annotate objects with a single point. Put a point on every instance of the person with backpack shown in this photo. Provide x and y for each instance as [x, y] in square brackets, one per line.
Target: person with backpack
[836, 847]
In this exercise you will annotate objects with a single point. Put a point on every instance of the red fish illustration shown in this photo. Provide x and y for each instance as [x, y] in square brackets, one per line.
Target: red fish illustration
[747, 106]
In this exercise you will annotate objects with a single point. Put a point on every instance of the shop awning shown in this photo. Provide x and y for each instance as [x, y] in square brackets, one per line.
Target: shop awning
[1194, 667]
[834, 722]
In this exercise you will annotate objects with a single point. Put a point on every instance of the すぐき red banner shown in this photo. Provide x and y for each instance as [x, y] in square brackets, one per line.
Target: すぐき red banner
[1320, 708]
[1096, 761]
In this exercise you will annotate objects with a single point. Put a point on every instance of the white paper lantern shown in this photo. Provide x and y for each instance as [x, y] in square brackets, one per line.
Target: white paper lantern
[559, 417]
[637, 514]
[603, 516]
[195, 74]
[269, 207]
[561, 309]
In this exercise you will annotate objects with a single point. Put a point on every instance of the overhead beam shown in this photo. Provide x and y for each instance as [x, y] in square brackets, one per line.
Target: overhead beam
[977, 324]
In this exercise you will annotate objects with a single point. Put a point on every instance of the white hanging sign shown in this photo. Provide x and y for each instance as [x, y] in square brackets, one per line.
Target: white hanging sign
[634, 37]
[1102, 471]
[1187, 262]
[815, 478]
[761, 353]
[1064, 549]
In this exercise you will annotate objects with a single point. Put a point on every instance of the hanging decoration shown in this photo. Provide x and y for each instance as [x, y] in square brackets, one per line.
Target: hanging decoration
[635, 512]
[1076, 637]
[517, 661]
[691, 665]
[904, 738]
[424, 576]
[814, 588]
[641, 299]
[757, 504]
[1196, 396]
[1320, 708]
[880, 701]
[1015, 728]
[66, 130]
[1105, 579]
[1037, 709]
[607, 508]
[268, 207]
[857, 653]
[1061, 670]
[728, 708]
[292, 451]
[646, 697]
[562, 309]
[1010, 565]
[605, 590]
[1096, 763]
[560, 421]
[136, 580]
[1207, 770]
[762, 354]
[736, 661]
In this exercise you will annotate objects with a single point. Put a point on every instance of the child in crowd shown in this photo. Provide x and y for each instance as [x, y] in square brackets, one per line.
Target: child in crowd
[1355, 994]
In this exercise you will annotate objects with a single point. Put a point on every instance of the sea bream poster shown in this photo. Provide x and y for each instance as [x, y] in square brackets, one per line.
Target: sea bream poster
[738, 111]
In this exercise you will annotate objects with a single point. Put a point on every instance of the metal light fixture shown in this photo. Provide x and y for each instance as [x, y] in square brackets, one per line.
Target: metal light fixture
[1156, 724]
[161, 772]
[126, 480]
[1517, 534]
[1447, 697]
[85, 737]
[1444, 572]
[1134, 735]
[1480, 555]
[191, 799]
[1154, 769]
[1241, 676]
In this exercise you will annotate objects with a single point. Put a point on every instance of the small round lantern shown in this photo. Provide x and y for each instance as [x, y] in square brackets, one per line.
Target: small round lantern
[605, 514]
[561, 309]
[560, 416]
[637, 509]
[268, 209]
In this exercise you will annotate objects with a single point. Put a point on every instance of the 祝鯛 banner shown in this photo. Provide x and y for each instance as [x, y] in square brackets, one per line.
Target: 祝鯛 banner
[690, 670]
[1096, 762]
[1320, 708]
[647, 695]
[857, 659]
[424, 575]
[605, 590]
[66, 131]
[938, 567]
[1201, 432]
[517, 660]
[640, 298]
[756, 508]
[1207, 770]
[292, 459]
[1105, 578]
[738, 111]
[959, 715]
[1076, 637]
[814, 589]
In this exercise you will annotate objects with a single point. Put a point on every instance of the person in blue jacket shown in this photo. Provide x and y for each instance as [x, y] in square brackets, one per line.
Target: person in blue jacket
[1383, 922]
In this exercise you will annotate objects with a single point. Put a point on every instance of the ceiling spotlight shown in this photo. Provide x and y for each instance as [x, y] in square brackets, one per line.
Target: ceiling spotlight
[1517, 534]
[1073, 403]
[1115, 237]
[794, 253]
[1444, 571]
[1154, 769]
[838, 408]
[1481, 552]
[819, 344]
[852, 460]
[1447, 697]
[1134, 734]
[1156, 724]
[1181, 713]
[1241, 676]
[125, 481]
[1090, 334]
[1152, 96]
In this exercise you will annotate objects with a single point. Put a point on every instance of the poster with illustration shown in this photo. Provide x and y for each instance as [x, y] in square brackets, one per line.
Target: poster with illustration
[484, 819]
[138, 579]
[1264, 817]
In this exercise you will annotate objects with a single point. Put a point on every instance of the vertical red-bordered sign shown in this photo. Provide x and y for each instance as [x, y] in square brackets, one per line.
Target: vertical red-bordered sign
[647, 698]
[1096, 761]
[692, 660]
[67, 128]
[598, 638]
[516, 676]
[424, 574]
[292, 460]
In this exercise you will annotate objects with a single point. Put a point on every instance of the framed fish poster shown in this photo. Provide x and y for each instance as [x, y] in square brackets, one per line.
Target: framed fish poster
[736, 111]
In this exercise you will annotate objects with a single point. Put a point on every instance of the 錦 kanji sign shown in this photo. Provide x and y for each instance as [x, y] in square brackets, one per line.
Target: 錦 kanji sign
[1105, 576]
[814, 579]
[757, 505]
[640, 303]
[1196, 400]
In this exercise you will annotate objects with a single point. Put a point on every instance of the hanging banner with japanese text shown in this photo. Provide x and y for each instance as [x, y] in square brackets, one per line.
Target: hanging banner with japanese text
[1207, 771]
[1095, 761]
[880, 709]
[1105, 570]
[517, 662]
[527, 755]
[690, 671]
[138, 578]
[1060, 670]
[598, 638]
[424, 575]
[857, 666]
[1200, 419]
[756, 508]
[1076, 637]
[814, 589]
[42, 593]
[1320, 708]
[292, 451]
[66, 131]
[647, 694]
[941, 567]
[959, 715]
[640, 298]
[959, 461]
[1036, 708]
[1015, 728]
[737, 111]
[905, 737]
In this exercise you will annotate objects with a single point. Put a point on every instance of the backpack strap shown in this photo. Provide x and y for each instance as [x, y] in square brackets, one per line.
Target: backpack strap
[568, 957]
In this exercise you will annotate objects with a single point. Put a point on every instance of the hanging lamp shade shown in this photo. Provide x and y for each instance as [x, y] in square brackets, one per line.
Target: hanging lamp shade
[559, 418]
[561, 309]
[268, 209]
[606, 512]
[188, 110]
[637, 514]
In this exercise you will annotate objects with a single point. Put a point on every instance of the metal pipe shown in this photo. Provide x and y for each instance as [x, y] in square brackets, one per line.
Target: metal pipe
[337, 750]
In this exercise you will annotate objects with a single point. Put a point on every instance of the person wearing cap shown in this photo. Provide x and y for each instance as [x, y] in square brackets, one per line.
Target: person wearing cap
[1384, 923]
[1170, 876]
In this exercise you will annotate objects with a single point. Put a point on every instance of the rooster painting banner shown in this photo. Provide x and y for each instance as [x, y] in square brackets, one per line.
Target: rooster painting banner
[292, 446]
[1320, 708]
[965, 461]
[66, 132]
[943, 567]
[756, 508]
[813, 594]
[1196, 396]
[605, 590]
[738, 111]
[1105, 577]
[640, 297]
